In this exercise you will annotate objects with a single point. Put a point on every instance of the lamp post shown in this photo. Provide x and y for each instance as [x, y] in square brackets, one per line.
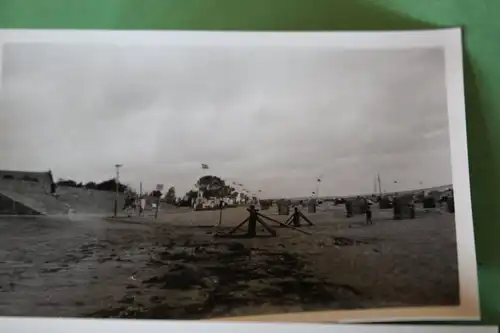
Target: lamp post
[318, 181]
[117, 182]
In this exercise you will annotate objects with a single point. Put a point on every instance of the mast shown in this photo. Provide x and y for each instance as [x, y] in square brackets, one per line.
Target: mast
[379, 184]
[318, 181]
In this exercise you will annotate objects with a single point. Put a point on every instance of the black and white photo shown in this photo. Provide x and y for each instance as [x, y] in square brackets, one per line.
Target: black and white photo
[252, 176]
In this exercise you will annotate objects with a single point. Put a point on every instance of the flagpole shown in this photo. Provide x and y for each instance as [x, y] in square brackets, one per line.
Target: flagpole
[199, 196]
[317, 187]
[379, 185]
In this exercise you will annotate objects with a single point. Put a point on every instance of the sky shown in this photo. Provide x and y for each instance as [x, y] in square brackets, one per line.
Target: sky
[271, 118]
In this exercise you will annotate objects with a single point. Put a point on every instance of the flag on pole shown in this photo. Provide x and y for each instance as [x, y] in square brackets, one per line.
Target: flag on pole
[204, 166]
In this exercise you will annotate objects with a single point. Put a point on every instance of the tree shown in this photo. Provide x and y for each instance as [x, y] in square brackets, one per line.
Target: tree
[244, 197]
[213, 186]
[156, 194]
[192, 194]
[91, 185]
[170, 197]
[110, 185]
[66, 182]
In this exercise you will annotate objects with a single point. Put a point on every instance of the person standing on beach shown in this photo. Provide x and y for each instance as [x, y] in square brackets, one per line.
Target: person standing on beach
[412, 208]
[368, 212]
[142, 205]
[348, 208]
[396, 207]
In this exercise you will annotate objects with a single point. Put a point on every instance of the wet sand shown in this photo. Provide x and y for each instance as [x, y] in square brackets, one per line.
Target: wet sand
[173, 268]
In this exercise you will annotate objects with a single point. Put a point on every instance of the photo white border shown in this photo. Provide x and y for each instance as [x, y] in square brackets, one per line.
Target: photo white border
[450, 40]
[173, 326]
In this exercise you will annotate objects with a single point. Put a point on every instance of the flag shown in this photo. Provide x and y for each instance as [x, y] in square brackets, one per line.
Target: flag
[204, 166]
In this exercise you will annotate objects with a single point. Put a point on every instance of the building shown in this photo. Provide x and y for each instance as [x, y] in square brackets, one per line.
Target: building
[26, 181]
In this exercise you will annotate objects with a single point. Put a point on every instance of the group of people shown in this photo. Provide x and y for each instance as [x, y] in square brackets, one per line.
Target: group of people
[133, 202]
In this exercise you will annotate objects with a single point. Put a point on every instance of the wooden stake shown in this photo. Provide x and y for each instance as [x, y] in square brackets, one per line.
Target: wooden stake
[267, 227]
[252, 223]
[238, 226]
[280, 223]
[305, 218]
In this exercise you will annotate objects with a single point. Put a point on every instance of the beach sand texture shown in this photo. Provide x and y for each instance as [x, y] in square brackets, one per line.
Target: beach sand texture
[174, 268]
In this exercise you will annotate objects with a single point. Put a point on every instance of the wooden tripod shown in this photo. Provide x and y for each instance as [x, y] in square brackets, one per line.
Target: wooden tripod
[296, 217]
[256, 217]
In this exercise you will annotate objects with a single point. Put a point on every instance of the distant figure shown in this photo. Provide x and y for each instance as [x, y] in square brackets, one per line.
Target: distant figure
[396, 207]
[142, 206]
[412, 209]
[128, 202]
[348, 208]
[368, 212]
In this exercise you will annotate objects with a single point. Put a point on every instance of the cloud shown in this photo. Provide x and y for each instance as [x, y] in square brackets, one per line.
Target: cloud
[271, 118]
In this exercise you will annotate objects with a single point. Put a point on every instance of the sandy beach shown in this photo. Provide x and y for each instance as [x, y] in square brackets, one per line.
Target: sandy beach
[174, 267]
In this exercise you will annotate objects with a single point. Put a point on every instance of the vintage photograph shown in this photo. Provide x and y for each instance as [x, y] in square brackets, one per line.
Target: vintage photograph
[244, 177]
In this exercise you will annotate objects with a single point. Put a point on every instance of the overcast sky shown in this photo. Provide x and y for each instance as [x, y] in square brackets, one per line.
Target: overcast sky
[271, 119]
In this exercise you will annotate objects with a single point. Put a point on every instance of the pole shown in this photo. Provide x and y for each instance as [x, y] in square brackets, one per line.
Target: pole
[139, 208]
[199, 195]
[379, 186]
[317, 187]
[222, 195]
[157, 206]
[220, 214]
[117, 180]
